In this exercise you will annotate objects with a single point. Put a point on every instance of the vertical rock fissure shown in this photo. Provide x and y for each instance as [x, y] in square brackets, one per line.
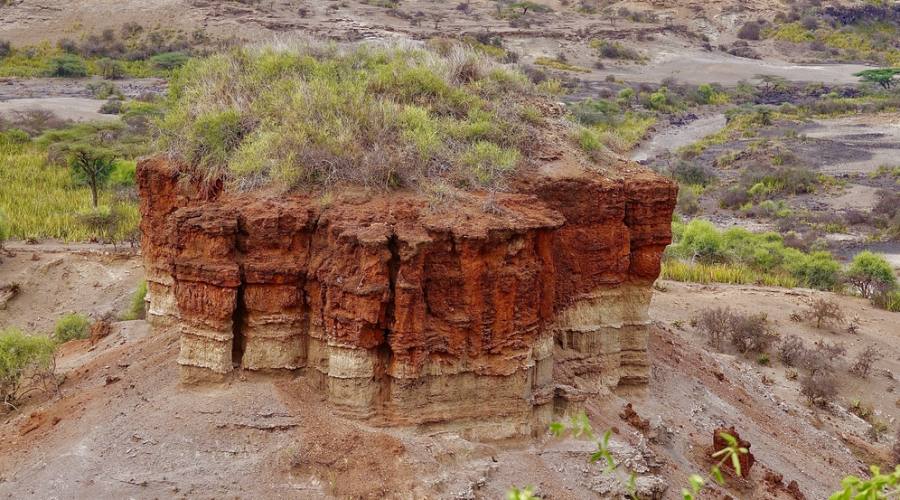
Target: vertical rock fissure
[385, 353]
[237, 326]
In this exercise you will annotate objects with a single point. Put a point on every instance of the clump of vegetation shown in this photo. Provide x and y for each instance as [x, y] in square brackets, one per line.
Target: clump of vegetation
[616, 123]
[862, 364]
[819, 387]
[747, 333]
[751, 30]
[67, 65]
[138, 305]
[870, 274]
[308, 116]
[749, 257]
[824, 311]
[26, 364]
[72, 327]
[559, 64]
[42, 200]
[615, 50]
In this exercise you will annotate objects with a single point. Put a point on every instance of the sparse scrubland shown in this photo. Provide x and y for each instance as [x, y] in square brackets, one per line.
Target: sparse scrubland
[132, 51]
[462, 114]
[864, 32]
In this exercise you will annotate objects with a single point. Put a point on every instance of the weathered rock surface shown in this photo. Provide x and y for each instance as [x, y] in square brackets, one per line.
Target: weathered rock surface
[404, 314]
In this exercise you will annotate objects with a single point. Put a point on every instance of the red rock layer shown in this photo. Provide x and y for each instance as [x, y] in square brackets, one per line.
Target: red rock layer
[405, 314]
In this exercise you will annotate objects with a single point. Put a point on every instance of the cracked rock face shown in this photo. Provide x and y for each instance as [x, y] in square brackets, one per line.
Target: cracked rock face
[405, 314]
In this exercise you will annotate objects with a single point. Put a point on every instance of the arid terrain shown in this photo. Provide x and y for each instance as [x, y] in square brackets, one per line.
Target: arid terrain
[755, 109]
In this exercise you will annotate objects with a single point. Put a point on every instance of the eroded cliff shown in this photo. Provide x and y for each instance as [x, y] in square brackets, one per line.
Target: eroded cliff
[407, 314]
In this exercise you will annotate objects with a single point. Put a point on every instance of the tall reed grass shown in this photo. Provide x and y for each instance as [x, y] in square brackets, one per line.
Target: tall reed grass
[40, 200]
[734, 274]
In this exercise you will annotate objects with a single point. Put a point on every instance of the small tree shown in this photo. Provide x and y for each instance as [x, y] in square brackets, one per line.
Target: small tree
[869, 273]
[92, 167]
[882, 76]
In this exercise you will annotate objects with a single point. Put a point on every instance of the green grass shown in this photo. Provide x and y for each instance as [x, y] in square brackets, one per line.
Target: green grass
[625, 135]
[72, 327]
[136, 309]
[733, 274]
[304, 117]
[40, 200]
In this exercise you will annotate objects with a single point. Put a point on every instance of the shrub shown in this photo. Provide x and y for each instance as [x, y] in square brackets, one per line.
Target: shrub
[5, 48]
[112, 107]
[692, 173]
[105, 90]
[751, 30]
[869, 272]
[862, 365]
[71, 327]
[169, 60]
[823, 310]
[110, 69]
[819, 387]
[103, 222]
[715, 324]
[137, 308]
[791, 350]
[25, 362]
[688, 202]
[67, 65]
[750, 334]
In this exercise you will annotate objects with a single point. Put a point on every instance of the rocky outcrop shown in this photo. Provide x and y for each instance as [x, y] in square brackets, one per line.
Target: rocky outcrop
[404, 313]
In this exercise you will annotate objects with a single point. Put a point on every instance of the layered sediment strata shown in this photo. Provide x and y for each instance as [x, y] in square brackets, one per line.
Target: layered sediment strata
[404, 314]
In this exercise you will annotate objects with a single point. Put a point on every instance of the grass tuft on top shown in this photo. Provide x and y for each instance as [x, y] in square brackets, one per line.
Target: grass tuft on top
[301, 116]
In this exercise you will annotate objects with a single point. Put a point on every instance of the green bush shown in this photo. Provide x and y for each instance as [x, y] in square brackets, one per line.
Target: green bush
[761, 252]
[870, 273]
[72, 327]
[136, 310]
[169, 60]
[66, 65]
[21, 357]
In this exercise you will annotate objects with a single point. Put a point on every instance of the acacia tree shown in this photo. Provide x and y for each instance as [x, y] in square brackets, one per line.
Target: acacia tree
[91, 166]
[882, 76]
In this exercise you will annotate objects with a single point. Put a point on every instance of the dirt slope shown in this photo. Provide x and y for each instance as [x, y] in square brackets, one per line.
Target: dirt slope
[126, 427]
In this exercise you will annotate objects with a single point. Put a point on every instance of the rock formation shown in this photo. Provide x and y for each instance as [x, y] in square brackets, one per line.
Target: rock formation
[404, 313]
